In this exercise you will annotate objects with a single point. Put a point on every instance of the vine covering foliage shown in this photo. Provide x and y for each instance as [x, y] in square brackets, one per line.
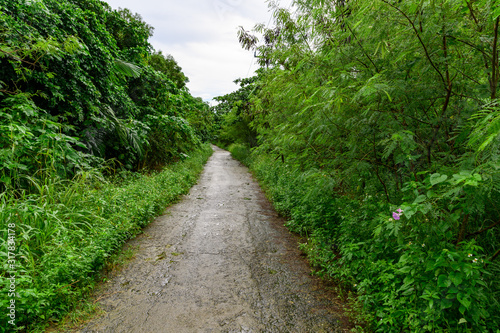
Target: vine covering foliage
[83, 96]
[378, 135]
[85, 72]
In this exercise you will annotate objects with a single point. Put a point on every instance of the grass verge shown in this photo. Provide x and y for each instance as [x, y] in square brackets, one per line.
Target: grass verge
[60, 238]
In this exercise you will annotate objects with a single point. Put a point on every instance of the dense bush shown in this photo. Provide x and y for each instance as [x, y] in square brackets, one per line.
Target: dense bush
[233, 116]
[240, 152]
[84, 74]
[407, 271]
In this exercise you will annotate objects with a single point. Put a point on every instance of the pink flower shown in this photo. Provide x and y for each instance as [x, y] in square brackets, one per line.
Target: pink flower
[395, 215]
[399, 210]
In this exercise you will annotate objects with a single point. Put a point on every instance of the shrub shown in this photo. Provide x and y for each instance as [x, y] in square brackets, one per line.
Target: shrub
[404, 264]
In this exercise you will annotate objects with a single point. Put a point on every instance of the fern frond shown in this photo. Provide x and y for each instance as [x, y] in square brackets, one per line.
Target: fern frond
[127, 69]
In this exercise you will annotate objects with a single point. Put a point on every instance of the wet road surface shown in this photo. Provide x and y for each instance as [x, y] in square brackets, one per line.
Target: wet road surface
[220, 260]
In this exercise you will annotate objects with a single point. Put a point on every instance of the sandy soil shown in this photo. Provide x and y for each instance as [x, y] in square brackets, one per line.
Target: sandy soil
[220, 260]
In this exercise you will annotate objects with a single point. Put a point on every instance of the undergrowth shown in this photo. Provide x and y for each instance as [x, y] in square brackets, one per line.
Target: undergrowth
[65, 232]
[403, 268]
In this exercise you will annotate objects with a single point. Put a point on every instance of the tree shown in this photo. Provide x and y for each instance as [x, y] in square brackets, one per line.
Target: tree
[168, 66]
[235, 116]
[84, 67]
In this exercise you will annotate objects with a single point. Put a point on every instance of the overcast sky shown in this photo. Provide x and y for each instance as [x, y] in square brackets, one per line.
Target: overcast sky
[202, 37]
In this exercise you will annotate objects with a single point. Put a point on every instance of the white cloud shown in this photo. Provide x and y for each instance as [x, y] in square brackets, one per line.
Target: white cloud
[202, 37]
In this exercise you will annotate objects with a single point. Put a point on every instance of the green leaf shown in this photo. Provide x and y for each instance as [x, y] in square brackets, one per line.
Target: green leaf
[405, 270]
[446, 304]
[443, 281]
[409, 211]
[437, 178]
[408, 291]
[496, 13]
[456, 278]
[474, 180]
[81, 145]
[408, 280]
[451, 296]
[431, 194]
[127, 69]
[403, 258]
[487, 141]
[419, 199]
[388, 96]
[464, 300]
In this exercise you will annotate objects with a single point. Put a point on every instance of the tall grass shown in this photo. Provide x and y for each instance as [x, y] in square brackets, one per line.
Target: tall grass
[66, 230]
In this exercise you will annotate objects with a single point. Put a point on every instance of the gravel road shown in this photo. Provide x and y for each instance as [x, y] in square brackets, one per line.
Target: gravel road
[219, 260]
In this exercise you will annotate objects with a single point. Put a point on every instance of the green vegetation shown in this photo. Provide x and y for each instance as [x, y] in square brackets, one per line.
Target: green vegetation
[67, 230]
[98, 134]
[373, 125]
[377, 136]
[233, 115]
[81, 79]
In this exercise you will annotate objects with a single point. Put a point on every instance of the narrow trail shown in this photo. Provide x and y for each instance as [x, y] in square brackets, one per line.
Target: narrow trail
[220, 260]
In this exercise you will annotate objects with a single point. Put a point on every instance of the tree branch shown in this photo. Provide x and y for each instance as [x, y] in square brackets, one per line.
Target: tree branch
[362, 49]
[13, 56]
[462, 229]
[468, 44]
[471, 10]
[427, 55]
[483, 230]
[494, 62]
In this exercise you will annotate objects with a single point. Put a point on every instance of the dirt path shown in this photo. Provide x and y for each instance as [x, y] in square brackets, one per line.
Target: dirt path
[219, 261]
